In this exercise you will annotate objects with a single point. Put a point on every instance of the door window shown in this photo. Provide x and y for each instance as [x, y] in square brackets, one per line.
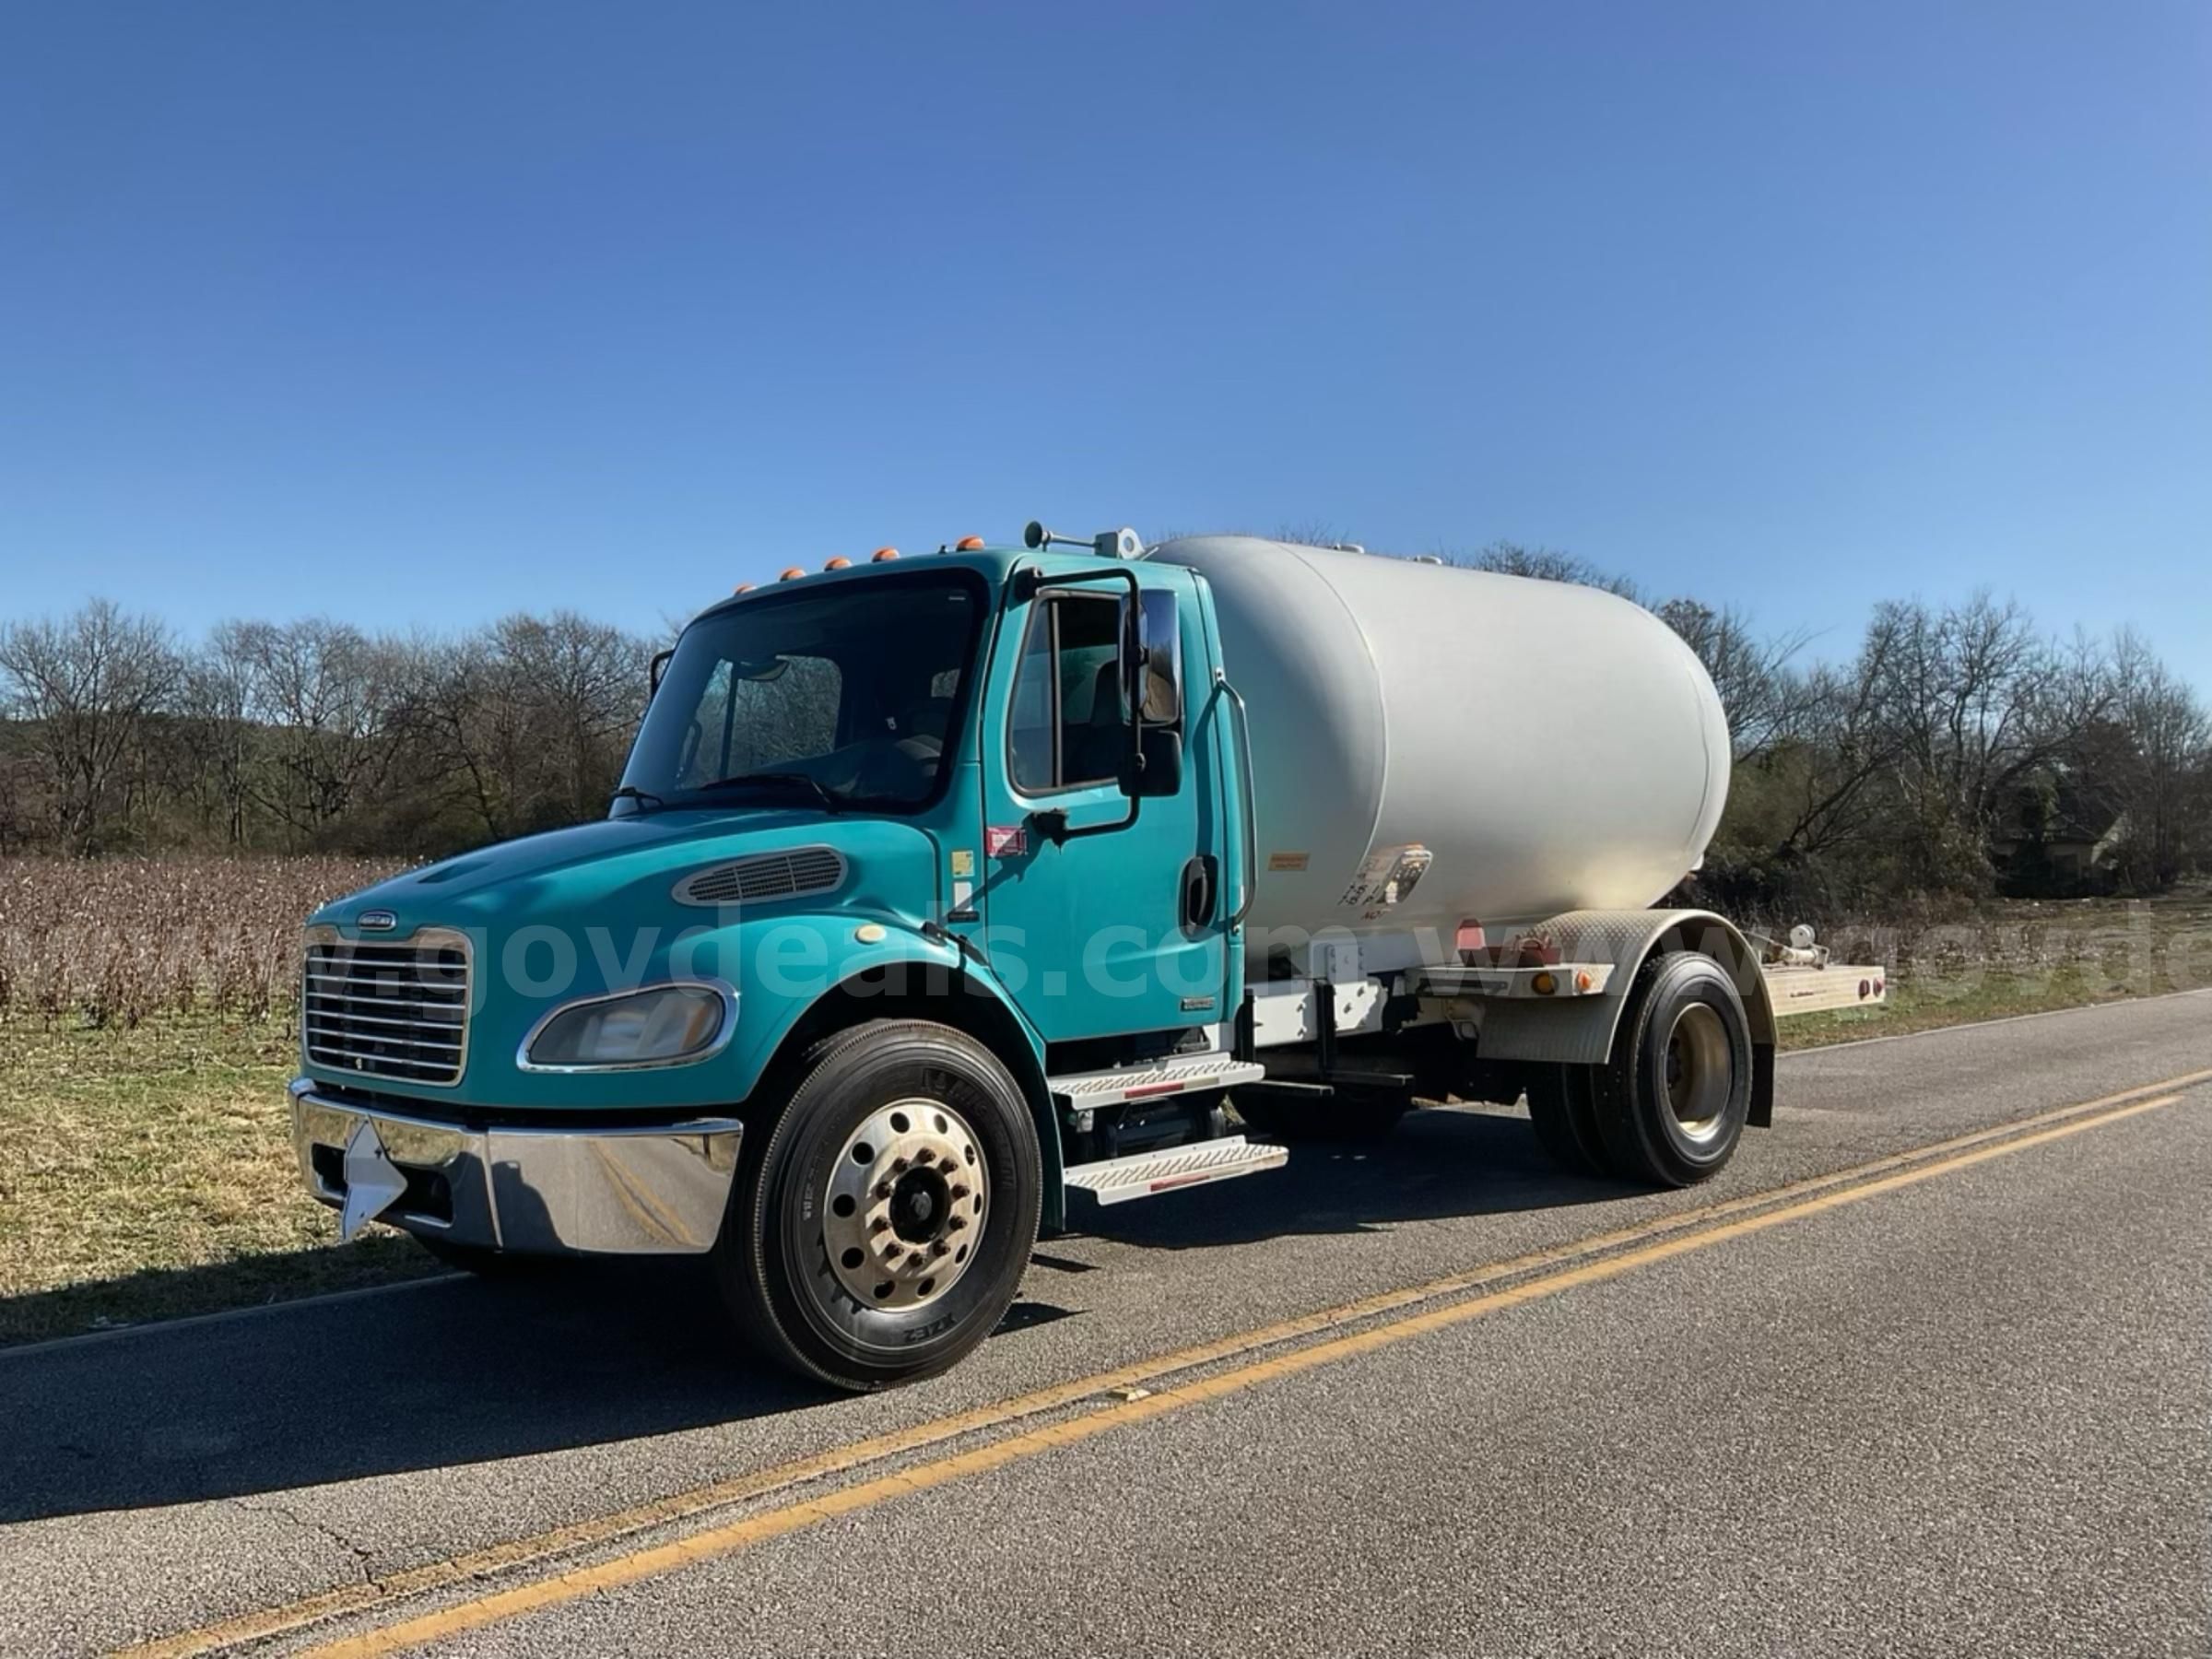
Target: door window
[1069, 726]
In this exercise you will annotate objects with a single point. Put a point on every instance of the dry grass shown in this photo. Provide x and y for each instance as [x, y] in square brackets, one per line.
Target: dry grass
[2020, 957]
[148, 1173]
[147, 1033]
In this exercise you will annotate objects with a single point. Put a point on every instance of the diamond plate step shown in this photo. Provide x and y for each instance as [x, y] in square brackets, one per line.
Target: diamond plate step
[1177, 1075]
[1148, 1174]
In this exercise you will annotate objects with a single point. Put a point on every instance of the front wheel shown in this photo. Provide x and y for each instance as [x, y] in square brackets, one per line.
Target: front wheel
[882, 1228]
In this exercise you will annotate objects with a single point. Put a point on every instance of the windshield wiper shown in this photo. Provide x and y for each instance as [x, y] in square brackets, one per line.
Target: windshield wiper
[630, 792]
[831, 801]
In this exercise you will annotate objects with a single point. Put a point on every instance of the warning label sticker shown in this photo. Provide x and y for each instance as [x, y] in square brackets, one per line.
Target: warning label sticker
[1387, 878]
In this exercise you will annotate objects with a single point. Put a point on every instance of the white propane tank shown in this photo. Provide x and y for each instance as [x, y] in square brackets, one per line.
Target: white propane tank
[1433, 746]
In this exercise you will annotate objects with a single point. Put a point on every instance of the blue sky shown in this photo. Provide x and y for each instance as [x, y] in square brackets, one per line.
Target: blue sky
[413, 314]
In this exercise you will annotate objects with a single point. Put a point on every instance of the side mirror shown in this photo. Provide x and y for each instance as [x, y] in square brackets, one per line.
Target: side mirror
[1161, 773]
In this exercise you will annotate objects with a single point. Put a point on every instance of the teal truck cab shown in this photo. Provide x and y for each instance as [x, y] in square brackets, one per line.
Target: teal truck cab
[926, 903]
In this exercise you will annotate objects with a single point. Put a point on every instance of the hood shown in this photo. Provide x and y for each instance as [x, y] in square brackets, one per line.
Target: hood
[625, 867]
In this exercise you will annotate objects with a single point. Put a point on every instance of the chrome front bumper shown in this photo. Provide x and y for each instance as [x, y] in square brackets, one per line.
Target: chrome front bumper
[650, 1191]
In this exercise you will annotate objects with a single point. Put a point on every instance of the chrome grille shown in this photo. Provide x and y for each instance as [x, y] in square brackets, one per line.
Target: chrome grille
[765, 876]
[387, 1010]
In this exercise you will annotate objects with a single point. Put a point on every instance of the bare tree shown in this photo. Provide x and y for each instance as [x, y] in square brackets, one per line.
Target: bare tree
[326, 696]
[1976, 701]
[1766, 704]
[533, 717]
[216, 706]
[2163, 787]
[1843, 748]
[88, 685]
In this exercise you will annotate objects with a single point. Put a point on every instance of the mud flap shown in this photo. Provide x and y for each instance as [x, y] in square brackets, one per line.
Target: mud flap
[1763, 1086]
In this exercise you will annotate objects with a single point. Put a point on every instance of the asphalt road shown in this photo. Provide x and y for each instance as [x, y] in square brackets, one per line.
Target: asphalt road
[1959, 1403]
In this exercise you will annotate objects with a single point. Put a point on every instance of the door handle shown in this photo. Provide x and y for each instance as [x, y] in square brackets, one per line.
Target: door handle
[1201, 879]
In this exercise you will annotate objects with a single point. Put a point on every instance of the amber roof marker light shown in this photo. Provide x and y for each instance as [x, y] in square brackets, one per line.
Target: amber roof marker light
[883, 556]
[969, 544]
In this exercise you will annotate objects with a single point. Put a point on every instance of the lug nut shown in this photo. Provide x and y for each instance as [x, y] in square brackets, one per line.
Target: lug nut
[960, 1192]
[899, 1166]
[883, 1189]
[940, 1248]
[877, 1225]
[890, 1257]
[956, 1223]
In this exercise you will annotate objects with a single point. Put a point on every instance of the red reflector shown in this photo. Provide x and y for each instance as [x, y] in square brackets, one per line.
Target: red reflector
[1156, 1089]
[1173, 1182]
[1006, 840]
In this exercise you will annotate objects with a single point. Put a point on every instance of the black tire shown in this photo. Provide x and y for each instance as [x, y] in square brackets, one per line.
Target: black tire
[790, 1298]
[1562, 1107]
[482, 1260]
[1672, 1102]
[1346, 1115]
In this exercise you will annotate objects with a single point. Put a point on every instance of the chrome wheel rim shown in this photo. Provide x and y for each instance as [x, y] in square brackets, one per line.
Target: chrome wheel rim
[903, 1215]
[1700, 1073]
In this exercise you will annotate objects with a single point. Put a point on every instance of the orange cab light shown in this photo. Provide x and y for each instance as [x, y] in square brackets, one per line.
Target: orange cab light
[792, 575]
[969, 544]
[1583, 979]
[839, 563]
[743, 587]
[1543, 985]
[881, 554]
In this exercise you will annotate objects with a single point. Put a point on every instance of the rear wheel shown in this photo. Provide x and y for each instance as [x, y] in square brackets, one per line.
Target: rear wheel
[1562, 1107]
[1671, 1103]
[881, 1228]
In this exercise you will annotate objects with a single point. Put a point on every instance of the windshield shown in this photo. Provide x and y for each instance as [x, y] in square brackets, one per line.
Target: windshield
[846, 696]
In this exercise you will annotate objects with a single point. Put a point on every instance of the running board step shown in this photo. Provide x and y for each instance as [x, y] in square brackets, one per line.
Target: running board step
[1148, 1174]
[1177, 1074]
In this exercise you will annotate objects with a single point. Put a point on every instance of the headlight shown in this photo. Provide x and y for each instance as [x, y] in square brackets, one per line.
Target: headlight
[667, 1025]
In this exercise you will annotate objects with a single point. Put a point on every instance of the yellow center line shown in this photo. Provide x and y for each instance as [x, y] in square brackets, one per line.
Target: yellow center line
[687, 1505]
[716, 1542]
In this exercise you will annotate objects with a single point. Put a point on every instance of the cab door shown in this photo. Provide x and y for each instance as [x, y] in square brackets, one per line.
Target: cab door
[1118, 928]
